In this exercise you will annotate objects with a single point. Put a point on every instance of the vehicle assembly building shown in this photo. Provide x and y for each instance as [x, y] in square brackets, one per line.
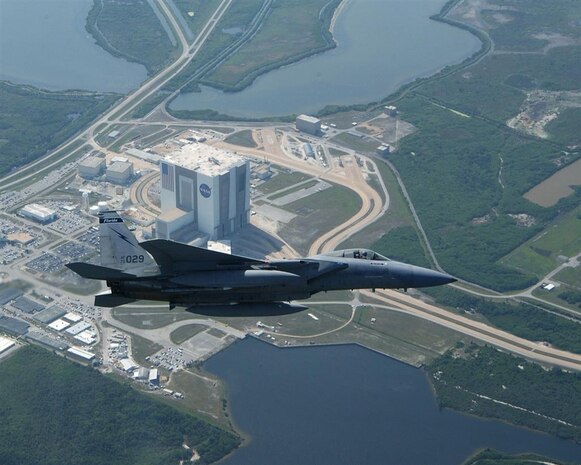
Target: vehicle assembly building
[203, 189]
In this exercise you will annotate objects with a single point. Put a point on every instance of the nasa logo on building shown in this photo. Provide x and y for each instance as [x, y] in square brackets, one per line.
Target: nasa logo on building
[205, 190]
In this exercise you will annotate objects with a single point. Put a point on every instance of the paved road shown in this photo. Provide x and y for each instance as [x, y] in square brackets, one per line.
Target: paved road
[129, 102]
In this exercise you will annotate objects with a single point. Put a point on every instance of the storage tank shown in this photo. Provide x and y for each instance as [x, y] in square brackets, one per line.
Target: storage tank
[85, 202]
[94, 210]
[103, 207]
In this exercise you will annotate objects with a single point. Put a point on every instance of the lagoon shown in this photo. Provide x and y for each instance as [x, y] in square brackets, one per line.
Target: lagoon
[381, 45]
[342, 405]
[44, 43]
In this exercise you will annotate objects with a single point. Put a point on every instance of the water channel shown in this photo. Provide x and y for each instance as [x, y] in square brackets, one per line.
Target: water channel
[346, 405]
[381, 45]
[44, 43]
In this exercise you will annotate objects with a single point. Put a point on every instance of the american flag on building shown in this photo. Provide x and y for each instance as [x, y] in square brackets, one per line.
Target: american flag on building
[167, 176]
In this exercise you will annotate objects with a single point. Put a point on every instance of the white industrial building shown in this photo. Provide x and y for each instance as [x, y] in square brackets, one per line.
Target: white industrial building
[120, 172]
[6, 344]
[153, 377]
[308, 124]
[59, 325]
[87, 337]
[78, 328]
[38, 213]
[204, 189]
[73, 317]
[85, 355]
[91, 167]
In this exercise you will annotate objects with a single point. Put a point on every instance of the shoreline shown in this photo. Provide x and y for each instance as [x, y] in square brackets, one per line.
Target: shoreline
[402, 91]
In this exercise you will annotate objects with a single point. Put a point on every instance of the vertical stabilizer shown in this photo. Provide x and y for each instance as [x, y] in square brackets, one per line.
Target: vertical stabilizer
[119, 247]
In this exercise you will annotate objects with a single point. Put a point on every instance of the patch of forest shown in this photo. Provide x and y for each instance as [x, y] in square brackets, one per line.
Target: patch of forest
[54, 411]
[486, 382]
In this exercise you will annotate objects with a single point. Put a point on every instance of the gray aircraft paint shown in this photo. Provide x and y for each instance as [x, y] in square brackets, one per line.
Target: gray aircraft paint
[176, 273]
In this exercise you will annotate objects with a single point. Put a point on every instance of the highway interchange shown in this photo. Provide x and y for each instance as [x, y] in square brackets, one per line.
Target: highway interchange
[351, 174]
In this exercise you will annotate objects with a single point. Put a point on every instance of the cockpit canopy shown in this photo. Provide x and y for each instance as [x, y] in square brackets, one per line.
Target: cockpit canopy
[362, 254]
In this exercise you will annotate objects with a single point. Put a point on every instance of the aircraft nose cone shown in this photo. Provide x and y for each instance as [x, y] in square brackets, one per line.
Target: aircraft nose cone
[423, 277]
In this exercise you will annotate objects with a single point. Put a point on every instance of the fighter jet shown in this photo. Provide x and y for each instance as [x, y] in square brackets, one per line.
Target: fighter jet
[181, 274]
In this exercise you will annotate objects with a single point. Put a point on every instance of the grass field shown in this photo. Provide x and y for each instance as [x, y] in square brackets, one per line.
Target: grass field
[281, 181]
[295, 188]
[183, 333]
[353, 142]
[317, 214]
[203, 393]
[292, 29]
[539, 255]
[243, 138]
[570, 276]
[145, 318]
[141, 348]
[554, 297]
[400, 336]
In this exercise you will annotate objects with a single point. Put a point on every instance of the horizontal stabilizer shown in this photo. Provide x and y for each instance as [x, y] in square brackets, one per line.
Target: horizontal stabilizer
[112, 300]
[169, 253]
[90, 271]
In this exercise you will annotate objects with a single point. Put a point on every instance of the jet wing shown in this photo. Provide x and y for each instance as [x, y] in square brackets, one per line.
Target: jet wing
[170, 254]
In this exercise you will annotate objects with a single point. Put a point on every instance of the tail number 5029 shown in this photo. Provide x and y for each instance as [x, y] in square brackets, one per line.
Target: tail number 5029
[132, 259]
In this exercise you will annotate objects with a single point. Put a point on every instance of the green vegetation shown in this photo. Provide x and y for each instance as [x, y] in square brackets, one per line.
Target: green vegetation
[540, 255]
[397, 216]
[152, 318]
[571, 297]
[319, 213]
[183, 333]
[76, 415]
[519, 318]
[551, 399]
[243, 138]
[202, 11]
[131, 30]
[495, 87]
[281, 181]
[336, 153]
[404, 337]
[33, 121]
[145, 107]
[565, 129]
[452, 170]
[142, 348]
[493, 457]
[359, 143]
[239, 16]
[295, 188]
[203, 394]
[291, 30]
[402, 244]
[570, 276]
[522, 25]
